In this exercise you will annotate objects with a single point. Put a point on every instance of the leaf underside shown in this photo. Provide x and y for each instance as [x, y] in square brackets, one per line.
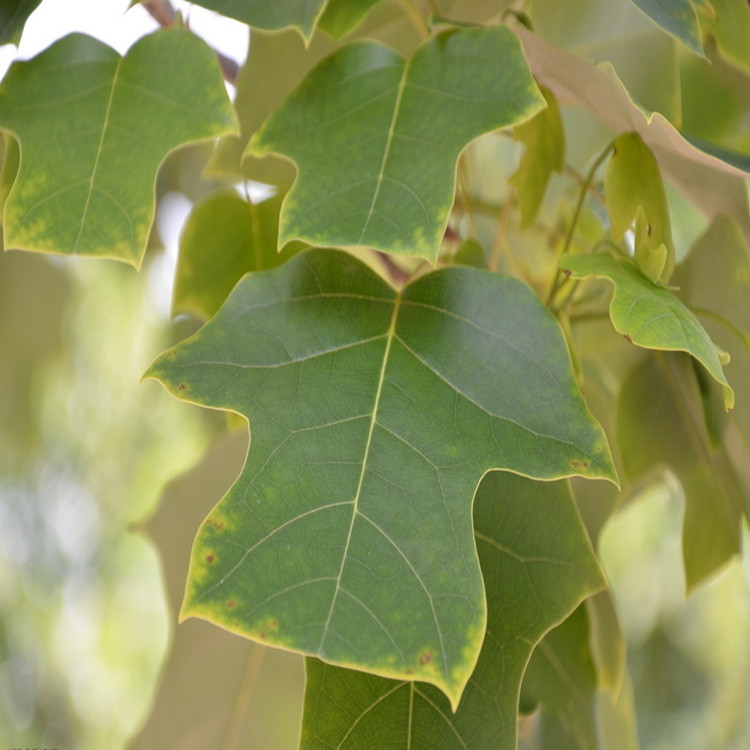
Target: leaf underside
[374, 415]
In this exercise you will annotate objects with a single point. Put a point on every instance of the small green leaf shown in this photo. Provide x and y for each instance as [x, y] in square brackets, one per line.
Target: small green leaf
[272, 16]
[224, 238]
[537, 564]
[93, 129]
[13, 16]
[374, 415]
[544, 138]
[382, 136]
[661, 422]
[635, 195]
[650, 315]
[341, 16]
[677, 17]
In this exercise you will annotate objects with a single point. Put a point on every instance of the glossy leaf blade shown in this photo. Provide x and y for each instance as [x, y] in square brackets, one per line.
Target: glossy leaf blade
[382, 136]
[677, 17]
[537, 564]
[650, 315]
[374, 415]
[93, 129]
[272, 16]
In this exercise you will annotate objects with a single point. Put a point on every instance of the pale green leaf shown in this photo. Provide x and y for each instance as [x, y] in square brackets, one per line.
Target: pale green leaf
[729, 23]
[382, 135]
[677, 17]
[635, 197]
[13, 15]
[661, 423]
[224, 238]
[649, 315]
[537, 564]
[215, 688]
[374, 415]
[272, 16]
[711, 184]
[341, 16]
[544, 138]
[93, 129]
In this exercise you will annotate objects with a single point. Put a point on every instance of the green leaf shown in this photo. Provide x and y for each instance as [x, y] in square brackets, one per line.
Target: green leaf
[374, 415]
[214, 687]
[341, 16]
[729, 23]
[635, 195]
[272, 16]
[224, 238]
[649, 315]
[537, 564]
[382, 136]
[544, 138]
[677, 17]
[661, 422]
[13, 17]
[93, 129]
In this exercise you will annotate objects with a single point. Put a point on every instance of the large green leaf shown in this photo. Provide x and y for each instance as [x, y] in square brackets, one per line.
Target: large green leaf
[537, 565]
[382, 135]
[216, 690]
[650, 315]
[661, 423]
[224, 238]
[374, 415]
[678, 17]
[272, 16]
[93, 128]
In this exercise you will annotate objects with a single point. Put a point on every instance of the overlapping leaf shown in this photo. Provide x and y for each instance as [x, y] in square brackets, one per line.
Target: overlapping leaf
[341, 16]
[678, 17]
[729, 23]
[13, 15]
[649, 315]
[376, 137]
[374, 415]
[537, 565]
[93, 128]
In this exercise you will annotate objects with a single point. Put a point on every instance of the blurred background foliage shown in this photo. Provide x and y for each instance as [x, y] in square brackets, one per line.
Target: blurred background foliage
[88, 608]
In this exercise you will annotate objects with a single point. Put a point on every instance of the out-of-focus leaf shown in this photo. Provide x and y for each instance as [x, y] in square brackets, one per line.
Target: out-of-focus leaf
[93, 129]
[10, 156]
[341, 16]
[216, 690]
[713, 185]
[272, 16]
[470, 253]
[661, 422]
[13, 16]
[382, 135]
[677, 17]
[635, 195]
[544, 138]
[224, 238]
[374, 415]
[537, 564]
[650, 315]
[607, 642]
[729, 24]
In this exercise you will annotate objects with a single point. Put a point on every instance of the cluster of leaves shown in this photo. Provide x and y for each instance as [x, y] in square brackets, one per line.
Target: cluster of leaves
[410, 332]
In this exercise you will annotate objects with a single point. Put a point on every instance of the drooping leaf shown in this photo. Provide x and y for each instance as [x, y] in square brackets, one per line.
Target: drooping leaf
[544, 138]
[635, 196]
[215, 688]
[272, 16]
[537, 564]
[382, 136]
[650, 315]
[374, 415]
[713, 185]
[224, 238]
[677, 17]
[729, 23]
[93, 128]
[661, 423]
[13, 16]
[341, 16]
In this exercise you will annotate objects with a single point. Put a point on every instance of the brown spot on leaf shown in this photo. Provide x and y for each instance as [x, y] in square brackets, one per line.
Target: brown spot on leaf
[566, 271]
[181, 387]
[409, 671]
[218, 525]
[627, 338]
[579, 464]
[231, 604]
[209, 558]
[425, 658]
